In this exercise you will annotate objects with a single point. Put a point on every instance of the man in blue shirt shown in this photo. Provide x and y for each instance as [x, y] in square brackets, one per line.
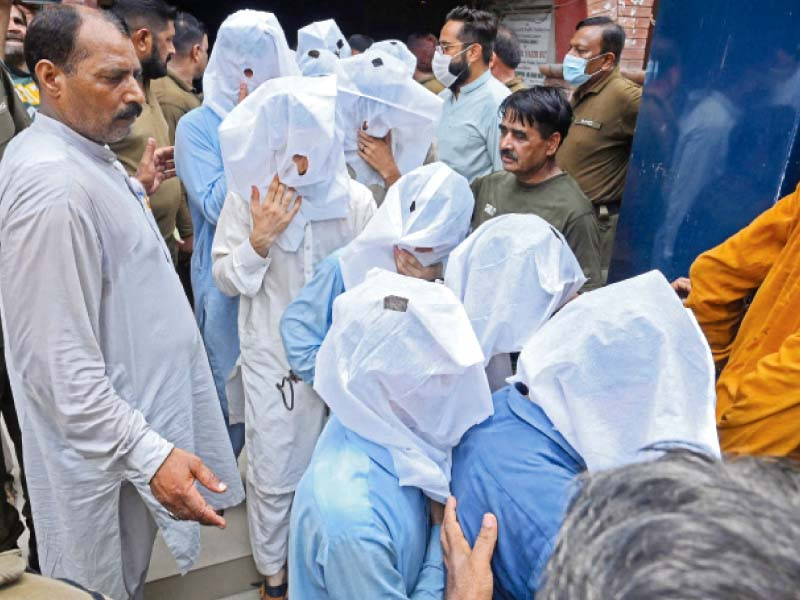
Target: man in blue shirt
[247, 40]
[468, 134]
[402, 373]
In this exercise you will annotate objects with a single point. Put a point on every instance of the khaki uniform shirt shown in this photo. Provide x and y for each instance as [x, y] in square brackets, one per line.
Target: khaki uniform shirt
[558, 200]
[166, 202]
[176, 99]
[13, 117]
[597, 149]
[516, 84]
[431, 83]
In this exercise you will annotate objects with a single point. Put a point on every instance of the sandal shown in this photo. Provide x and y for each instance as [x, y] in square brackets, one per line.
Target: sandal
[273, 592]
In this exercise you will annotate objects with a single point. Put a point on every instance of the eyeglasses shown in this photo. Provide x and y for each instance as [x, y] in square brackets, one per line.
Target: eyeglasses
[443, 48]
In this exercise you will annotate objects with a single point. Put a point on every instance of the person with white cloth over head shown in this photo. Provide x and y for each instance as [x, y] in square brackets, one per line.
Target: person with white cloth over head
[615, 374]
[250, 49]
[279, 144]
[425, 215]
[322, 35]
[402, 373]
[512, 274]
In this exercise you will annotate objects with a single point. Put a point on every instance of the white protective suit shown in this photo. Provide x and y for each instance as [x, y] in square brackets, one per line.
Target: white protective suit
[284, 117]
[402, 368]
[315, 63]
[512, 274]
[623, 368]
[431, 207]
[377, 94]
[247, 39]
[322, 35]
[399, 50]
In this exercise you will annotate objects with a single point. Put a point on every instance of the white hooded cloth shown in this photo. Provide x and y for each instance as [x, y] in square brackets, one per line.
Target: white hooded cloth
[512, 274]
[402, 368]
[431, 207]
[247, 39]
[314, 63]
[283, 118]
[623, 368]
[399, 50]
[377, 94]
[321, 35]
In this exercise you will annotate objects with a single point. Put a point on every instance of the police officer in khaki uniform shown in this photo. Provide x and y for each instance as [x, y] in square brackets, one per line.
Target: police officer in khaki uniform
[605, 107]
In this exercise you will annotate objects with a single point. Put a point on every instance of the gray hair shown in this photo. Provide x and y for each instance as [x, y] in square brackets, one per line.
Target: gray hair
[684, 526]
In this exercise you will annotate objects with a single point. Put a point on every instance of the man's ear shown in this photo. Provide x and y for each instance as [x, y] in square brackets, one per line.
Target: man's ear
[609, 62]
[475, 53]
[50, 78]
[195, 53]
[553, 142]
[142, 42]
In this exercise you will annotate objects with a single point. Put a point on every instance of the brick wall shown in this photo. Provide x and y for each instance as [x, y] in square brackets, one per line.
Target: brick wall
[634, 16]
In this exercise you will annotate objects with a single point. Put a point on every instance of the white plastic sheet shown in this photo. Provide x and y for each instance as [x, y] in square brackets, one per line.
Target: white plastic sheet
[623, 368]
[431, 207]
[376, 94]
[247, 39]
[314, 63]
[399, 50]
[402, 368]
[322, 35]
[512, 274]
[283, 118]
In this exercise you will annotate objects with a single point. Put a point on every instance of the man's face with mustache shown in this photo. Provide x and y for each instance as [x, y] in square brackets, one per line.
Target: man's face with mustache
[17, 28]
[523, 150]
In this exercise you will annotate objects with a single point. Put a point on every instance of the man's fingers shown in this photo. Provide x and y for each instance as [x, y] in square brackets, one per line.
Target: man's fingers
[199, 510]
[167, 174]
[255, 198]
[207, 478]
[487, 538]
[242, 92]
[149, 151]
[296, 208]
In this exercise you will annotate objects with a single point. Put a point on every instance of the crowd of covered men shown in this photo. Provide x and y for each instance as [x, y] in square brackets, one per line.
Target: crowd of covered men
[396, 259]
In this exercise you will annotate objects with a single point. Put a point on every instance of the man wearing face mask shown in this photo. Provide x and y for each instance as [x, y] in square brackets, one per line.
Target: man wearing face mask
[152, 28]
[605, 106]
[468, 138]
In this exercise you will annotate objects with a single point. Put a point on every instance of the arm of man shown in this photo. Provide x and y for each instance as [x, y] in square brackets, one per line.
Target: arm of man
[306, 321]
[200, 169]
[724, 276]
[361, 563]
[183, 221]
[583, 237]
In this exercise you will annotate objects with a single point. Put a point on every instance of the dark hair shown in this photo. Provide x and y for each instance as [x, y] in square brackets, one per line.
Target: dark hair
[53, 36]
[479, 27]
[683, 526]
[613, 34]
[360, 42]
[188, 32]
[507, 48]
[150, 14]
[544, 108]
[422, 45]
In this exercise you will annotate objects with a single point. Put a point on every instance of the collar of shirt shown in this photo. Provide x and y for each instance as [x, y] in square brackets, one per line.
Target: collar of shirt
[478, 83]
[84, 144]
[530, 412]
[179, 82]
[375, 451]
[595, 86]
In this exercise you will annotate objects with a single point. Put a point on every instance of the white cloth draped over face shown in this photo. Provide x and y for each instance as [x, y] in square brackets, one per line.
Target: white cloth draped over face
[284, 118]
[317, 62]
[399, 50]
[623, 368]
[431, 207]
[376, 94]
[247, 39]
[512, 274]
[322, 35]
[402, 368]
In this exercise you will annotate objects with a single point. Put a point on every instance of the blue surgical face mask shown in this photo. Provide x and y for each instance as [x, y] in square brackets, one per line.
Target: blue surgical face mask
[575, 69]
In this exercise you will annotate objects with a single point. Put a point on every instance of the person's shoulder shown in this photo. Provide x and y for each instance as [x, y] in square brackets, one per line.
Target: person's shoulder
[361, 198]
[573, 195]
[197, 122]
[498, 90]
[624, 90]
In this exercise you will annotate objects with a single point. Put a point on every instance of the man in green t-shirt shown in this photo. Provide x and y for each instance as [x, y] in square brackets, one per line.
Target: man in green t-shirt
[534, 123]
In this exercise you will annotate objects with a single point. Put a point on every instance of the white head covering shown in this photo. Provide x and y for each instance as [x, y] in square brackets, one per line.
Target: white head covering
[375, 88]
[512, 274]
[431, 207]
[286, 117]
[322, 34]
[314, 63]
[402, 368]
[623, 368]
[399, 50]
[247, 39]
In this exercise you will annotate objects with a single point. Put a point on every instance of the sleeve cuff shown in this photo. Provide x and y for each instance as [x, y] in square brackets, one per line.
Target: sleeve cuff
[148, 455]
[245, 257]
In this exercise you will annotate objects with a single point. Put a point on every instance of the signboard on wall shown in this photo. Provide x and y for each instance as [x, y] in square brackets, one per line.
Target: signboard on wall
[534, 30]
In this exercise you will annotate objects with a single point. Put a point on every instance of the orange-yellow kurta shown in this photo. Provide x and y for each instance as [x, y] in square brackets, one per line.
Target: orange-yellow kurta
[758, 391]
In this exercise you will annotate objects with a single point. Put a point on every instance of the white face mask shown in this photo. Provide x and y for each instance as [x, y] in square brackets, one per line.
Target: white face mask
[441, 67]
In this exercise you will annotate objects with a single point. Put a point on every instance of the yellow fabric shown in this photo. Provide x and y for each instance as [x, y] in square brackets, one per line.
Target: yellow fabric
[758, 391]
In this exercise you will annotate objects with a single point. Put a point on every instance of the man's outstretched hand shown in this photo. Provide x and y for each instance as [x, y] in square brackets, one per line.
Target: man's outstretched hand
[469, 570]
[173, 486]
[156, 166]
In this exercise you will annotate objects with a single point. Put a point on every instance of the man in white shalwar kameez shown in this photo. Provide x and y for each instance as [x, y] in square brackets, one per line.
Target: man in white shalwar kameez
[283, 137]
[106, 362]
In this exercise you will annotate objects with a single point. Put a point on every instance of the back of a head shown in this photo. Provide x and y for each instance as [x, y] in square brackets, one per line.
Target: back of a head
[423, 46]
[360, 42]
[507, 47]
[144, 14]
[479, 27]
[684, 526]
[188, 32]
[613, 34]
[544, 107]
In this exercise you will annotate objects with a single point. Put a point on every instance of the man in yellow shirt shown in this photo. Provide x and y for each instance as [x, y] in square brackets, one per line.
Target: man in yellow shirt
[756, 349]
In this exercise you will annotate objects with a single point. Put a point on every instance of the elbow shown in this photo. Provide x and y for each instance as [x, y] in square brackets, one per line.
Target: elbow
[221, 279]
